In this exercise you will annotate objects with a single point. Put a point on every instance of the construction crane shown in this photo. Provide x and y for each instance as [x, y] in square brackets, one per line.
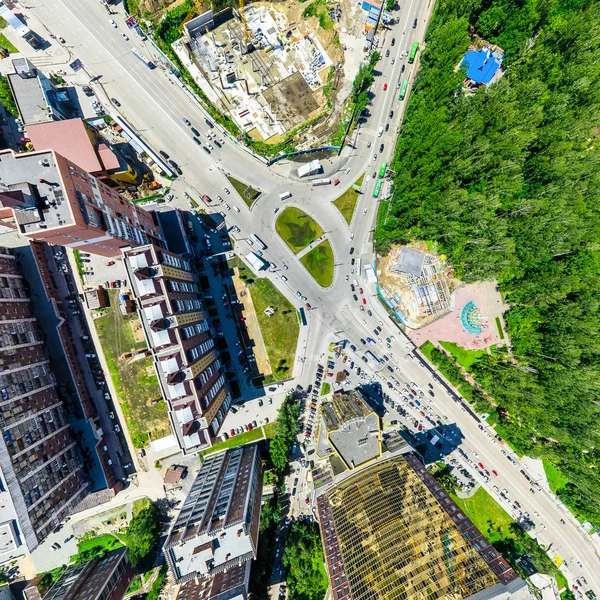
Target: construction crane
[244, 25]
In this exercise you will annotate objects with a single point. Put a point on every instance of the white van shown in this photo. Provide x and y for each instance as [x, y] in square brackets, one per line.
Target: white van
[380, 131]
[285, 195]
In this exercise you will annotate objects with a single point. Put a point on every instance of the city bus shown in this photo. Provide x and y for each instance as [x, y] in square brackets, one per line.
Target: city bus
[382, 170]
[377, 188]
[370, 355]
[403, 89]
[302, 315]
[413, 52]
[258, 241]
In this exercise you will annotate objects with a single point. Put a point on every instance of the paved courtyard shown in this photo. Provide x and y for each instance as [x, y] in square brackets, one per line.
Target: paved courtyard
[488, 305]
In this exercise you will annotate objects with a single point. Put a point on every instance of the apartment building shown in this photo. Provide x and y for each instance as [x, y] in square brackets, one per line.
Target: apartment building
[215, 536]
[41, 477]
[48, 198]
[105, 578]
[186, 359]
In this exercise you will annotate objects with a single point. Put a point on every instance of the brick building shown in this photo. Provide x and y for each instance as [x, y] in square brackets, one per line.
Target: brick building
[48, 198]
[41, 477]
[186, 359]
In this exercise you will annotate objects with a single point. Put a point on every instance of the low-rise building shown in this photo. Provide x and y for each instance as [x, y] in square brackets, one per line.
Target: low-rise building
[186, 359]
[215, 536]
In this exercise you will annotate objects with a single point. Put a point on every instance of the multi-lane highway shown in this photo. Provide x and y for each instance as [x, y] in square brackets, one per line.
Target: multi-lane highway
[155, 105]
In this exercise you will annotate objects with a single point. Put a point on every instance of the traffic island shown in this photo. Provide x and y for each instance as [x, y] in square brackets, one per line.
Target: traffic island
[346, 203]
[319, 263]
[297, 229]
[248, 194]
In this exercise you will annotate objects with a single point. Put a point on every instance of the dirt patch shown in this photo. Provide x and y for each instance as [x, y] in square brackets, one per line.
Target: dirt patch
[136, 330]
[251, 323]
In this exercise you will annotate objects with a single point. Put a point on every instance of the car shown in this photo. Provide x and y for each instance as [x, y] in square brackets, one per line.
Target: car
[374, 175]
[369, 313]
[195, 131]
[415, 23]
[237, 210]
[384, 87]
[480, 465]
[387, 52]
[164, 154]
[364, 300]
[112, 22]
[117, 429]
[197, 141]
[381, 148]
[336, 182]
[226, 190]
[124, 36]
[360, 290]
[402, 69]
[494, 472]
[393, 60]
[391, 114]
[355, 297]
[187, 122]
[90, 355]
[115, 102]
[351, 251]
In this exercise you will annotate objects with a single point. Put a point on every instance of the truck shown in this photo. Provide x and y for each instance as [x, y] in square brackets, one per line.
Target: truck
[285, 195]
[142, 58]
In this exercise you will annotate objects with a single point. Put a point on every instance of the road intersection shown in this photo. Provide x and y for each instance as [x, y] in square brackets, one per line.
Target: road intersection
[156, 105]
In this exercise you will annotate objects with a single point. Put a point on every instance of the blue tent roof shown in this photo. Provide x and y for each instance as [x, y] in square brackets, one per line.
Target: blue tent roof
[481, 65]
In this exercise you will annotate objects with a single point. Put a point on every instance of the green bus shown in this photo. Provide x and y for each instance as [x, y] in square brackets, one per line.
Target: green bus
[403, 89]
[413, 53]
[377, 188]
[382, 170]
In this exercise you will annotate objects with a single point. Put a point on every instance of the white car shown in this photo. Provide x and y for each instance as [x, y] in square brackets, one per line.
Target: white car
[226, 190]
[124, 36]
[112, 22]
[236, 209]
[228, 207]
[219, 199]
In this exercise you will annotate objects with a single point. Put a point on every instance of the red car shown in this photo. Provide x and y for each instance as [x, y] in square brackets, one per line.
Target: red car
[231, 432]
[420, 427]
[336, 182]
[364, 300]
[495, 472]
[384, 87]
[109, 263]
[480, 465]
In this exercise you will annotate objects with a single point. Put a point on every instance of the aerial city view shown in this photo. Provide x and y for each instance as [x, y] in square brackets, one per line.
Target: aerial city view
[299, 299]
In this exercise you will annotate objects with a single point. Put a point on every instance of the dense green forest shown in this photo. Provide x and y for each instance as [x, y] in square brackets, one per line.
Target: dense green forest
[506, 182]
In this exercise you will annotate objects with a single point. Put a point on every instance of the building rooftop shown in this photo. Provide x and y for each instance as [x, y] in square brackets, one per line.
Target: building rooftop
[44, 204]
[70, 139]
[410, 261]
[29, 98]
[482, 65]
[352, 428]
[395, 534]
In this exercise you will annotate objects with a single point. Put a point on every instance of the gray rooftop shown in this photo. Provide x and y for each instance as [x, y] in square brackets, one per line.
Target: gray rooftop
[358, 441]
[36, 176]
[30, 99]
[410, 261]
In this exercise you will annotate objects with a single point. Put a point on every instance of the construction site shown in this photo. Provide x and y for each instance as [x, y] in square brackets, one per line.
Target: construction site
[272, 68]
[416, 285]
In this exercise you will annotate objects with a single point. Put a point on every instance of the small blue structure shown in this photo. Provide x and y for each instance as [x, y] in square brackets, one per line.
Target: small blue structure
[482, 65]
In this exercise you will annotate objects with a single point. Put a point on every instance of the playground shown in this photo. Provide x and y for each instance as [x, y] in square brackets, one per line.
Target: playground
[471, 320]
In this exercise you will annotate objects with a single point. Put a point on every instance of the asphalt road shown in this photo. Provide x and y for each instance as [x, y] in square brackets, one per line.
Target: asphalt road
[155, 105]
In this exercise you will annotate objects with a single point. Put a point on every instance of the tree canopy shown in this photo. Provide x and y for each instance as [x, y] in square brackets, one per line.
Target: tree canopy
[506, 182]
[285, 431]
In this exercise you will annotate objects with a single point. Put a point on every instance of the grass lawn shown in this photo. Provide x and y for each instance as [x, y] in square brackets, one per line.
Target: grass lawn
[319, 263]
[556, 479]
[280, 331]
[325, 389]
[426, 349]
[90, 546]
[6, 44]
[499, 327]
[487, 515]
[136, 382]
[249, 194]
[346, 203]
[297, 229]
[238, 440]
[464, 357]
